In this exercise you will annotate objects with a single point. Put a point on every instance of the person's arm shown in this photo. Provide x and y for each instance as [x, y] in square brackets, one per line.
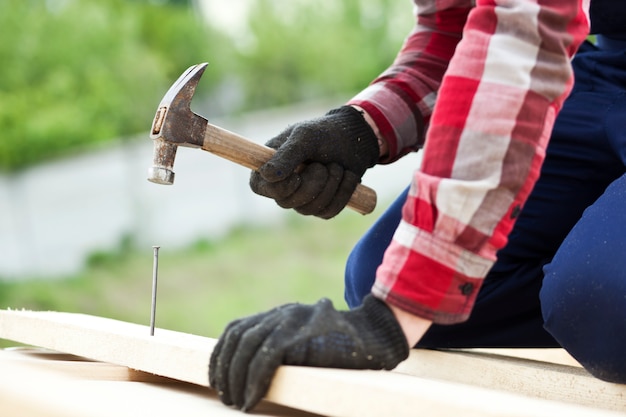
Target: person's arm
[400, 101]
[340, 146]
[484, 148]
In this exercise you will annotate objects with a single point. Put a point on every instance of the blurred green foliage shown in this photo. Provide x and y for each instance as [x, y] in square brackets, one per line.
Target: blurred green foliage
[76, 73]
[312, 49]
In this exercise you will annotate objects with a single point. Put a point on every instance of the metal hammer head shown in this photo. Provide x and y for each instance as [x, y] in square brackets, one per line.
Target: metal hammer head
[176, 125]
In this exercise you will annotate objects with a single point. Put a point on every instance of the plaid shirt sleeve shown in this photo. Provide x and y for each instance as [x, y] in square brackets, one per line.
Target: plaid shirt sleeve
[499, 87]
[401, 99]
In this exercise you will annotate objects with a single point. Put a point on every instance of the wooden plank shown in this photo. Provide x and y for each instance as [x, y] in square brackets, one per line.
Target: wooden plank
[329, 392]
[532, 377]
[181, 356]
[44, 386]
[77, 366]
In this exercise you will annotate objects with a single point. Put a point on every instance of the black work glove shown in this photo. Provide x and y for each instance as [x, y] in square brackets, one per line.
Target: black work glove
[338, 148]
[251, 349]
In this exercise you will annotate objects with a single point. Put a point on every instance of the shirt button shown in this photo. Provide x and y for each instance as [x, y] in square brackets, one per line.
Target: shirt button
[516, 211]
[467, 288]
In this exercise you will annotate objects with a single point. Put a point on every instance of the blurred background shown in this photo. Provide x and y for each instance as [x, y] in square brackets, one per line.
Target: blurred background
[79, 84]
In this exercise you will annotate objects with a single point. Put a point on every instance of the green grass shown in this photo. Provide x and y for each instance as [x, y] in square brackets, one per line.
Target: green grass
[203, 287]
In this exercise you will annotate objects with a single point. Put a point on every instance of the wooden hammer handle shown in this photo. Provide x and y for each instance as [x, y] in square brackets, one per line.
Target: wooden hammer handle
[240, 150]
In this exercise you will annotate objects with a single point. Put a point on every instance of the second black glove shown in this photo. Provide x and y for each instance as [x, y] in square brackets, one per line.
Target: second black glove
[247, 355]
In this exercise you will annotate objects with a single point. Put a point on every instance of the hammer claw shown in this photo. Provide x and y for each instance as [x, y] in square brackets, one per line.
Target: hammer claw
[185, 86]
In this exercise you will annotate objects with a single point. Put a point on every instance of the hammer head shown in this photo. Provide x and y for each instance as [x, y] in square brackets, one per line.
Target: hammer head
[176, 125]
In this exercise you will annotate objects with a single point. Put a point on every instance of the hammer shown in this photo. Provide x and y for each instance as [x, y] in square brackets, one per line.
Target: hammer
[176, 125]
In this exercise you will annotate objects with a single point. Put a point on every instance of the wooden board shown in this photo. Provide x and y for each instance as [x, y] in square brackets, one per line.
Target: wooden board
[37, 383]
[509, 370]
[330, 392]
[181, 356]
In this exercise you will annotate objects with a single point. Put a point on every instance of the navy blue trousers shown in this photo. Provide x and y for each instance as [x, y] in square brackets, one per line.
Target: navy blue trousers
[561, 278]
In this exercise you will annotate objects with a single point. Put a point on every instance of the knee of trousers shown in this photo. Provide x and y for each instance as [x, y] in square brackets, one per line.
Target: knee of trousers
[586, 313]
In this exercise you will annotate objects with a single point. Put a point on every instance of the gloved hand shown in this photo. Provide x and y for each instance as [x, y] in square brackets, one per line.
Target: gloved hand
[251, 349]
[338, 148]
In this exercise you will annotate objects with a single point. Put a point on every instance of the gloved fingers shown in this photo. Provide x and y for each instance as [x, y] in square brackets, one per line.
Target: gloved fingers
[313, 179]
[250, 346]
[293, 152]
[216, 365]
[219, 367]
[326, 195]
[260, 374]
[345, 190]
[276, 190]
[227, 346]
[263, 366]
[288, 334]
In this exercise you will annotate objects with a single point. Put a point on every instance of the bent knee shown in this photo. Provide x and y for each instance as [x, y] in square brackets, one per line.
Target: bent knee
[586, 313]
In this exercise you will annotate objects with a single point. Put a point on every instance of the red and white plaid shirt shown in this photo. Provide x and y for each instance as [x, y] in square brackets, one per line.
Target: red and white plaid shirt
[485, 81]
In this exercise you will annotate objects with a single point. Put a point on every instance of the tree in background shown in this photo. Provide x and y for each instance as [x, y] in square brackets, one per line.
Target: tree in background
[76, 72]
[310, 49]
